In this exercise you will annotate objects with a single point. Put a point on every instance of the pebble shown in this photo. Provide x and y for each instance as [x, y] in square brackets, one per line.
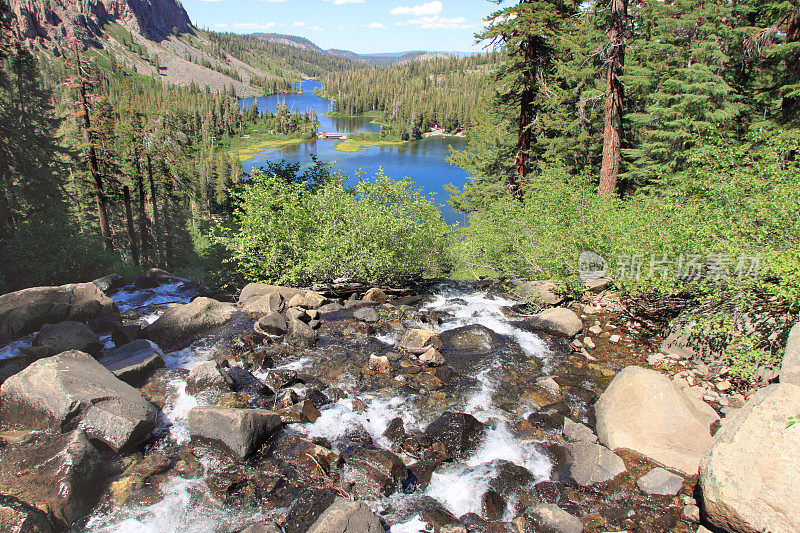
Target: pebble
[589, 343]
[724, 385]
[692, 512]
[613, 339]
[597, 330]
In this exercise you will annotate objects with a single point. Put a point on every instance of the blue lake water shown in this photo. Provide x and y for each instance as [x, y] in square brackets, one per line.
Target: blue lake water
[422, 161]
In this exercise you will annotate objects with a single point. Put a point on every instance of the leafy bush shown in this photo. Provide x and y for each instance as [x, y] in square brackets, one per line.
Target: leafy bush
[379, 231]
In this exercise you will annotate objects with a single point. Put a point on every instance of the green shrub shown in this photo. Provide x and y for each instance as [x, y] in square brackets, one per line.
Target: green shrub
[379, 231]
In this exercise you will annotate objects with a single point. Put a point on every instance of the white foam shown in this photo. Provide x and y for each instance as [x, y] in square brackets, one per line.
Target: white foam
[179, 403]
[415, 525]
[160, 296]
[188, 357]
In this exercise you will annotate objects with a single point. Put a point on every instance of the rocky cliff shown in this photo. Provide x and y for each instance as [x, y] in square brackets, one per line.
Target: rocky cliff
[53, 24]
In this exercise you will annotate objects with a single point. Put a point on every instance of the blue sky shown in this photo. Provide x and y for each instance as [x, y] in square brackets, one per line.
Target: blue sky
[362, 26]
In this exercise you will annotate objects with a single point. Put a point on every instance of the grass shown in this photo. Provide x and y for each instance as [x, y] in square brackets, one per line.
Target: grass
[249, 148]
[359, 141]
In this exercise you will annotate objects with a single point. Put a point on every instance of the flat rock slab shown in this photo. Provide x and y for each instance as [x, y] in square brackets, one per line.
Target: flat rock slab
[344, 516]
[558, 321]
[239, 431]
[790, 368]
[73, 390]
[181, 325]
[552, 519]
[28, 310]
[660, 482]
[750, 475]
[60, 475]
[253, 291]
[460, 433]
[642, 410]
[593, 464]
[134, 362]
[68, 335]
[419, 341]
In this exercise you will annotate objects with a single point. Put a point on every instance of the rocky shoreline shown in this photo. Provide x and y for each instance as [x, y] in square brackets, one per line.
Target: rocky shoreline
[146, 407]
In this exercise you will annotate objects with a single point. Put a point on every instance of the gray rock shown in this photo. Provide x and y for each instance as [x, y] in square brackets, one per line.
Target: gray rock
[661, 482]
[264, 527]
[28, 310]
[558, 321]
[239, 431]
[205, 375]
[419, 341]
[301, 334]
[134, 362]
[460, 433]
[272, 324]
[110, 283]
[18, 517]
[367, 314]
[749, 476]
[375, 295]
[331, 308]
[61, 476]
[344, 516]
[373, 473]
[473, 339]
[73, 390]
[181, 325]
[432, 357]
[549, 518]
[68, 335]
[642, 410]
[155, 277]
[271, 302]
[593, 464]
[577, 432]
[597, 285]
[539, 292]
[790, 368]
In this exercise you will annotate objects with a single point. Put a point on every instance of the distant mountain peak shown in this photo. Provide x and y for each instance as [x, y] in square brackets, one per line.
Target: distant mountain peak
[53, 24]
[291, 40]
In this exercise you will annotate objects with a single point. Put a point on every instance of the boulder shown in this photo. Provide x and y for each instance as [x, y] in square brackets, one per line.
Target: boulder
[134, 362]
[73, 390]
[272, 325]
[323, 511]
[110, 283]
[263, 527]
[597, 285]
[593, 464]
[61, 476]
[21, 518]
[432, 357]
[125, 333]
[577, 432]
[28, 310]
[303, 412]
[68, 335]
[558, 321]
[539, 292]
[239, 431]
[257, 290]
[749, 476]
[549, 518]
[642, 410]
[790, 368]
[661, 482]
[181, 325]
[472, 339]
[419, 341]
[301, 334]
[270, 302]
[375, 295]
[205, 375]
[155, 277]
[331, 308]
[373, 473]
[367, 314]
[460, 433]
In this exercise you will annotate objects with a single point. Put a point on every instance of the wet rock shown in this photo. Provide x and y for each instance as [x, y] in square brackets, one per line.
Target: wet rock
[263, 527]
[367, 314]
[539, 292]
[287, 399]
[460, 433]
[331, 308]
[375, 295]
[395, 430]
[378, 365]
[134, 362]
[546, 392]
[548, 518]
[60, 476]
[181, 325]
[155, 277]
[344, 516]
[273, 324]
[110, 283]
[279, 379]
[642, 410]
[419, 341]
[28, 310]
[473, 339]
[266, 304]
[254, 291]
[124, 334]
[19, 518]
[234, 400]
[373, 473]
[241, 380]
[493, 505]
[432, 358]
[577, 432]
[300, 413]
[550, 421]
[419, 475]
[749, 475]
[316, 397]
[205, 375]
[239, 431]
[301, 334]
[661, 482]
[593, 464]
[427, 382]
[72, 390]
[561, 459]
[790, 368]
[65, 336]
[558, 321]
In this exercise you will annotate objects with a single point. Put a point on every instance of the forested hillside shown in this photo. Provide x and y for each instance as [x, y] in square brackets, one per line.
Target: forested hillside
[417, 95]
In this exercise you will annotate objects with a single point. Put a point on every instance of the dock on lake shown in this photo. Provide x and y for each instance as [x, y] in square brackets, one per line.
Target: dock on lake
[329, 135]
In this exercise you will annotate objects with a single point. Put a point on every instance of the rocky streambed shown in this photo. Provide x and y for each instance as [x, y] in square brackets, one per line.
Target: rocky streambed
[147, 408]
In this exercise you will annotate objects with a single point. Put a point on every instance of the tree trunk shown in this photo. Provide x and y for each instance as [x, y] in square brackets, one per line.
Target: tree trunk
[526, 117]
[790, 105]
[154, 203]
[141, 208]
[612, 135]
[126, 194]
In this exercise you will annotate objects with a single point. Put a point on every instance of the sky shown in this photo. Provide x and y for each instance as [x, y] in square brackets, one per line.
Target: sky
[362, 26]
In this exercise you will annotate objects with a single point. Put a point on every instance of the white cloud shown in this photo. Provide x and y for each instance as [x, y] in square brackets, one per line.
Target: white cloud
[438, 23]
[298, 23]
[316, 28]
[373, 25]
[431, 8]
[342, 2]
